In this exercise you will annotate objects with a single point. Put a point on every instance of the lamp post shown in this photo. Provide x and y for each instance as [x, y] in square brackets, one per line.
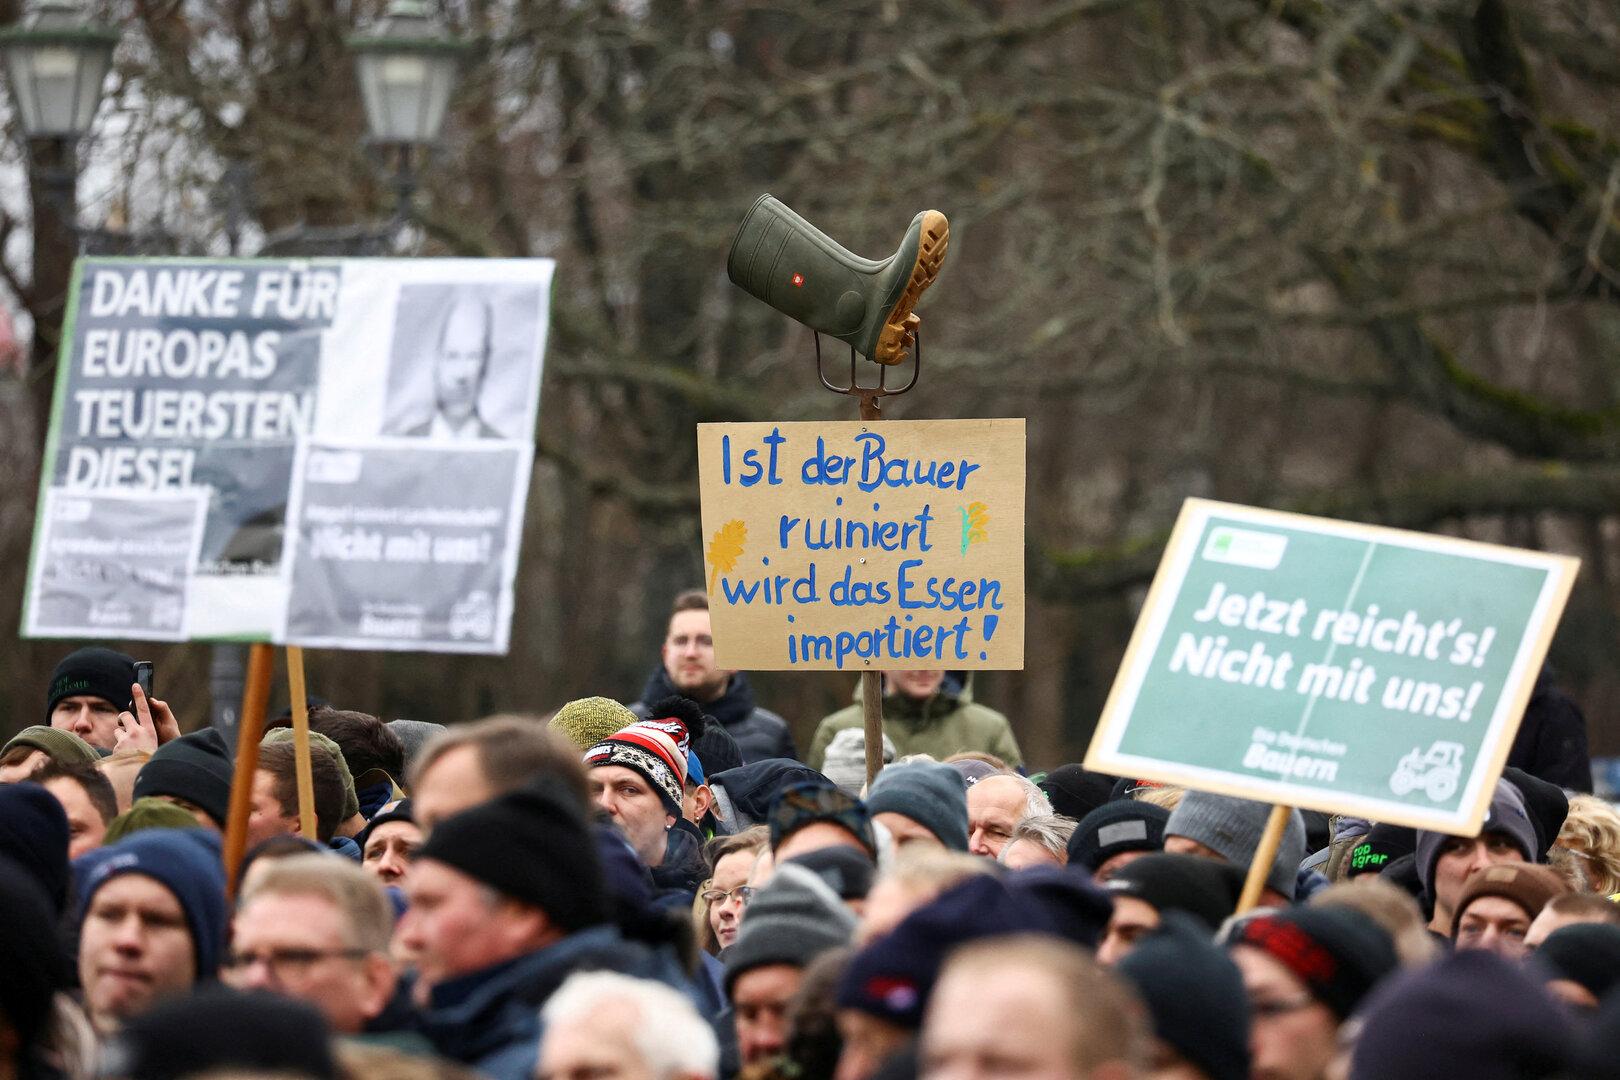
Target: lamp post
[56, 62]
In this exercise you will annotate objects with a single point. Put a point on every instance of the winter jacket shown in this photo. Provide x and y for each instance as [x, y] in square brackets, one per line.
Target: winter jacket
[490, 1019]
[677, 878]
[759, 733]
[1551, 743]
[743, 795]
[946, 723]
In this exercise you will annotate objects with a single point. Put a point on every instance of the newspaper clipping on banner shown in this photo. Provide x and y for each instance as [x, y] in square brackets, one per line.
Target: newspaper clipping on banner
[275, 450]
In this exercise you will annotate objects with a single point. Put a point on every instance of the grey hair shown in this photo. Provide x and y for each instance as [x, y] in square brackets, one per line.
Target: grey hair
[1050, 831]
[1036, 804]
[669, 1034]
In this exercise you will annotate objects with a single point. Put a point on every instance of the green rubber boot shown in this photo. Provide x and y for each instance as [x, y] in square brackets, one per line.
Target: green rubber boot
[802, 272]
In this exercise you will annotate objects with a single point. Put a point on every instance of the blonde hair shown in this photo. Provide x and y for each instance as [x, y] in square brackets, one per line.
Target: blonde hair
[928, 869]
[338, 881]
[1591, 833]
[1165, 796]
[1391, 908]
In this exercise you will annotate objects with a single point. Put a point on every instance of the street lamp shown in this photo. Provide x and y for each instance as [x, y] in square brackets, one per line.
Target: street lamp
[56, 61]
[408, 65]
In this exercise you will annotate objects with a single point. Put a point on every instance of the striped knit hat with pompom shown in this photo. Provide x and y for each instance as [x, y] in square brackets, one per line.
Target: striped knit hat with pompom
[655, 748]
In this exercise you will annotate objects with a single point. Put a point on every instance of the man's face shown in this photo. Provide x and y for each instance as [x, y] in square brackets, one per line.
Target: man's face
[453, 783]
[1495, 923]
[453, 925]
[868, 1043]
[1460, 857]
[730, 874]
[387, 856]
[760, 1000]
[85, 827]
[1114, 864]
[135, 949]
[994, 806]
[1023, 854]
[301, 946]
[997, 1026]
[689, 657]
[458, 375]
[265, 818]
[1186, 845]
[1132, 918]
[907, 833]
[1293, 1037]
[93, 719]
[1549, 921]
[635, 808]
[916, 684]
[599, 1045]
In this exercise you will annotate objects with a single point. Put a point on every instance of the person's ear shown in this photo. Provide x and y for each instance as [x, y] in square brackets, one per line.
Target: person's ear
[381, 977]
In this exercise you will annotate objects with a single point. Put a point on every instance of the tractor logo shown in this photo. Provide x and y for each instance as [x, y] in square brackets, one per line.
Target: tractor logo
[1436, 771]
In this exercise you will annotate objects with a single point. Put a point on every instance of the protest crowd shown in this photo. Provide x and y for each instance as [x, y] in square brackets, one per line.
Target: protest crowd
[664, 890]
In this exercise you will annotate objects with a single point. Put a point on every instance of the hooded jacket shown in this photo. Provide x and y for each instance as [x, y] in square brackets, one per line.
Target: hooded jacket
[1551, 741]
[759, 733]
[945, 723]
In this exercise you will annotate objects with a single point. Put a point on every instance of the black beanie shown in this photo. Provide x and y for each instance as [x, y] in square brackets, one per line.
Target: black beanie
[1584, 953]
[1337, 952]
[99, 672]
[30, 955]
[1201, 887]
[34, 835]
[1382, 845]
[1115, 828]
[531, 844]
[195, 767]
[1194, 994]
[1546, 804]
[216, 1030]
[1075, 792]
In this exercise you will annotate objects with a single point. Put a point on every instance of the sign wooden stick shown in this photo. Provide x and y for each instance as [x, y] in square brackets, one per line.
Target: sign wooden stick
[300, 719]
[872, 681]
[1264, 856]
[249, 729]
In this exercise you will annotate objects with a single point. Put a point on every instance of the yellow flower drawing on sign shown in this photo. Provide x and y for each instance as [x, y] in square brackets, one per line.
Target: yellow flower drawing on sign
[725, 549]
[975, 519]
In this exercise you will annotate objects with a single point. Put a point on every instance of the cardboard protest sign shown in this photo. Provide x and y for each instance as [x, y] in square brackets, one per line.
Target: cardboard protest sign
[204, 377]
[1332, 666]
[865, 546]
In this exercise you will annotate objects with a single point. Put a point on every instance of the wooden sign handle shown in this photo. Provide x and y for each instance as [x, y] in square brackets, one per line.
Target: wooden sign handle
[249, 729]
[1264, 856]
[300, 718]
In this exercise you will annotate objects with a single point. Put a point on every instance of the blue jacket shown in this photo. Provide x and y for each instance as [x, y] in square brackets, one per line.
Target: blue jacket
[490, 1019]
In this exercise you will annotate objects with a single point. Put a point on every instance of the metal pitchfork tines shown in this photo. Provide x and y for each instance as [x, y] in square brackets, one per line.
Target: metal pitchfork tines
[870, 395]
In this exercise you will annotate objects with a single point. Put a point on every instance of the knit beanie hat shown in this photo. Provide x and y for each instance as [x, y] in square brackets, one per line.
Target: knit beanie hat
[1337, 952]
[184, 861]
[95, 671]
[1079, 907]
[932, 795]
[31, 954]
[792, 920]
[847, 872]
[60, 745]
[804, 804]
[532, 844]
[1380, 847]
[588, 721]
[1115, 828]
[413, 735]
[1075, 791]
[892, 977]
[844, 762]
[1194, 995]
[1201, 887]
[217, 1032]
[194, 767]
[1584, 953]
[400, 811]
[1232, 827]
[351, 799]
[1507, 816]
[1469, 1014]
[1546, 804]
[1525, 884]
[655, 748]
[34, 834]
[148, 813]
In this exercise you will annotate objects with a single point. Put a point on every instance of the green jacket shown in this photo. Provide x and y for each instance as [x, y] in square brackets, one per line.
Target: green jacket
[941, 725]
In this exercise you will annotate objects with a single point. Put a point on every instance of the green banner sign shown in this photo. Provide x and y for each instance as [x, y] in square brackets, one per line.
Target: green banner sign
[1332, 666]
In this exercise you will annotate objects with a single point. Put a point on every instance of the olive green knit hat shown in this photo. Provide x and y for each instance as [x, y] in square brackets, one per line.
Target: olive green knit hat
[587, 721]
[151, 812]
[351, 801]
[62, 747]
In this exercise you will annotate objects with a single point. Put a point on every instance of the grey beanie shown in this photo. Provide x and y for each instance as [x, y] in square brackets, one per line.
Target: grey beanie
[1507, 816]
[792, 920]
[932, 795]
[844, 763]
[413, 735]
[1232, 828]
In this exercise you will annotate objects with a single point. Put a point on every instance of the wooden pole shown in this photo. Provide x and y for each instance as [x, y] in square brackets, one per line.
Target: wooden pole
[1264, 856]
[872, 681]
[300, 719]
[250, 728]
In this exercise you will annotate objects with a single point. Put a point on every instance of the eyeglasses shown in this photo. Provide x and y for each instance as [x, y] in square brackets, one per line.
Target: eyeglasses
[1265, 1010]
[281, 962]
[742, 894]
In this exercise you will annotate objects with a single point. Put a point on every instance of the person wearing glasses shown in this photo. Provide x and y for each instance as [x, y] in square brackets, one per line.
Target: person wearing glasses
[317, 929]
[726, 894]
[1305, 970]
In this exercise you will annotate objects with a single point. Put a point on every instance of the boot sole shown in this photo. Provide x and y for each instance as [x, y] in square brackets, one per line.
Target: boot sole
[899, 331]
